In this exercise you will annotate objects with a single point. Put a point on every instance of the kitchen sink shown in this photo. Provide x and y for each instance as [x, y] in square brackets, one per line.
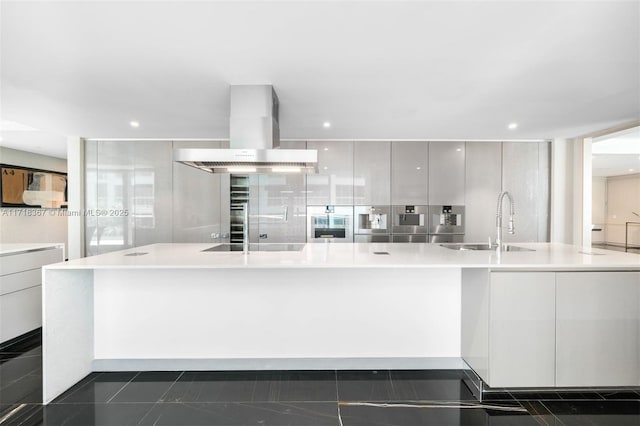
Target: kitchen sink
[482, 247]
[258, 247]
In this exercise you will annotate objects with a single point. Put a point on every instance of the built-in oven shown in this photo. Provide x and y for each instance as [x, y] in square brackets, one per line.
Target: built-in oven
[372, 224]
[410, 224]
[446, 224]
[330, 224]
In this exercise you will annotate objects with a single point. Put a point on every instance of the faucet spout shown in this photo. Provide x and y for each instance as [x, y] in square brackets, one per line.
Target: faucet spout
[511, 227]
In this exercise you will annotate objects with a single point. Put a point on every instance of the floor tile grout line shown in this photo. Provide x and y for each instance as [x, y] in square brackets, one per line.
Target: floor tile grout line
[123, 386]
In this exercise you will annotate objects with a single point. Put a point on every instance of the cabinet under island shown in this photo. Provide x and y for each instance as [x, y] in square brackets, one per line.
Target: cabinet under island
[346, 306]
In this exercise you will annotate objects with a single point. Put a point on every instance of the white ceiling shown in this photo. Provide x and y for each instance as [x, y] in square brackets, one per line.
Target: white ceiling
[383, 70]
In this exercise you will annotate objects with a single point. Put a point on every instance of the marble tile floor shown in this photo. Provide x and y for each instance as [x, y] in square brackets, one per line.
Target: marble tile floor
[341, 398]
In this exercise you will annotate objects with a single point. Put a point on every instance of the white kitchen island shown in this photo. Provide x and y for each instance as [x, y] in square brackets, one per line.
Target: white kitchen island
[328, 306]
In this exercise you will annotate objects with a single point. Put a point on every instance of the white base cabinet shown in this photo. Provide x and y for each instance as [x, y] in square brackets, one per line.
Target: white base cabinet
[552, 329]
[21, 290]
[597, 328]
[522, 334]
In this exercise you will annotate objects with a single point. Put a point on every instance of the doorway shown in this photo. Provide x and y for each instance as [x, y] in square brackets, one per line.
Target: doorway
[615, 201]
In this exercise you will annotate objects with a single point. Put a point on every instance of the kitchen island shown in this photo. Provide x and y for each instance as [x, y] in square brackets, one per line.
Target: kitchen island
[327, 306]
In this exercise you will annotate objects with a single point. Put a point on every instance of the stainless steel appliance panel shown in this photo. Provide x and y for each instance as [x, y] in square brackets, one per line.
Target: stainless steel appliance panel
[445, 219]
[330, 224]
[372, 219]
[410, 219]
[410, 238]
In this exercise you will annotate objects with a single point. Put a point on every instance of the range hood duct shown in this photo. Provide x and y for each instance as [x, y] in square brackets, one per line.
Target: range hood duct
[254, 136]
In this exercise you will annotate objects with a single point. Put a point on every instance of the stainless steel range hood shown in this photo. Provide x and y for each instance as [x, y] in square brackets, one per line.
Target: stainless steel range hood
[254, 137]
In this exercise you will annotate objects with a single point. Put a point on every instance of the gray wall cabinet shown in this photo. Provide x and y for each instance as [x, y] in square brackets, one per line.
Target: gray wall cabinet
[171, 202]
[525, 174]
[372, 173]
[334, 182]
[409, 173]
[446, 173]
[483, 183]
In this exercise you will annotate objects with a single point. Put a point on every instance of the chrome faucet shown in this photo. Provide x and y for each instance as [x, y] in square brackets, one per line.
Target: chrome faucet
[511, 229]
[245, 228]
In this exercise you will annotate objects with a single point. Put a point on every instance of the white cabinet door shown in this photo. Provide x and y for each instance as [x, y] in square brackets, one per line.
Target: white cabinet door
[522, 329]
[333, 184]
[597, 328]
[409, 173]
[372, 173]
[483, 178]
[446, 173]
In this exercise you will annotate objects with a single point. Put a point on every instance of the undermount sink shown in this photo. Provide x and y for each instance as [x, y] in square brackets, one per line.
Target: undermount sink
[481, 247]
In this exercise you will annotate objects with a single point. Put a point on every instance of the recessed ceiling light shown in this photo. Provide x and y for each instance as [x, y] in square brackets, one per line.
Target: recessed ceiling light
[512, 126]
[418, 168]
[134, 124]
[326, 124]
[459, 149]
[326, 149]
[325, 168]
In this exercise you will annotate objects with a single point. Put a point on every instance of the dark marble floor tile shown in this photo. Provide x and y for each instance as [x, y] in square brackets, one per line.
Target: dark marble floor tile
[537, 396]
[27, 389]
[231, 414]
[148, 386]
[8, 356]
[303, 386]
[497, 396]
[214, 386]
[23, 415]
[17, 367]
[624, 394]
[595, 413]
[365, 386]
[414, 386]
[436, 414]
[585, 395]
[84, 415]
[540, 413]
[97, 387]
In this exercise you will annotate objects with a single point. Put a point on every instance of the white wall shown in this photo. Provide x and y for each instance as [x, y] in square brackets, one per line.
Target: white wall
[623, 198]
[562, 191]
[16, 226]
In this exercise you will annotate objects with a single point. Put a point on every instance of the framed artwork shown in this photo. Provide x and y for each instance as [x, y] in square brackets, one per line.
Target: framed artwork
[33, 188]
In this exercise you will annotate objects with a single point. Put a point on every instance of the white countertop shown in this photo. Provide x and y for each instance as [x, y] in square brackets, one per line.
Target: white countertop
[8, 249]
[547, 256]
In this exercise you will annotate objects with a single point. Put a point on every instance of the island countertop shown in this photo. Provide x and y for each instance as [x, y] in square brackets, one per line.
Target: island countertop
[546, 256]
